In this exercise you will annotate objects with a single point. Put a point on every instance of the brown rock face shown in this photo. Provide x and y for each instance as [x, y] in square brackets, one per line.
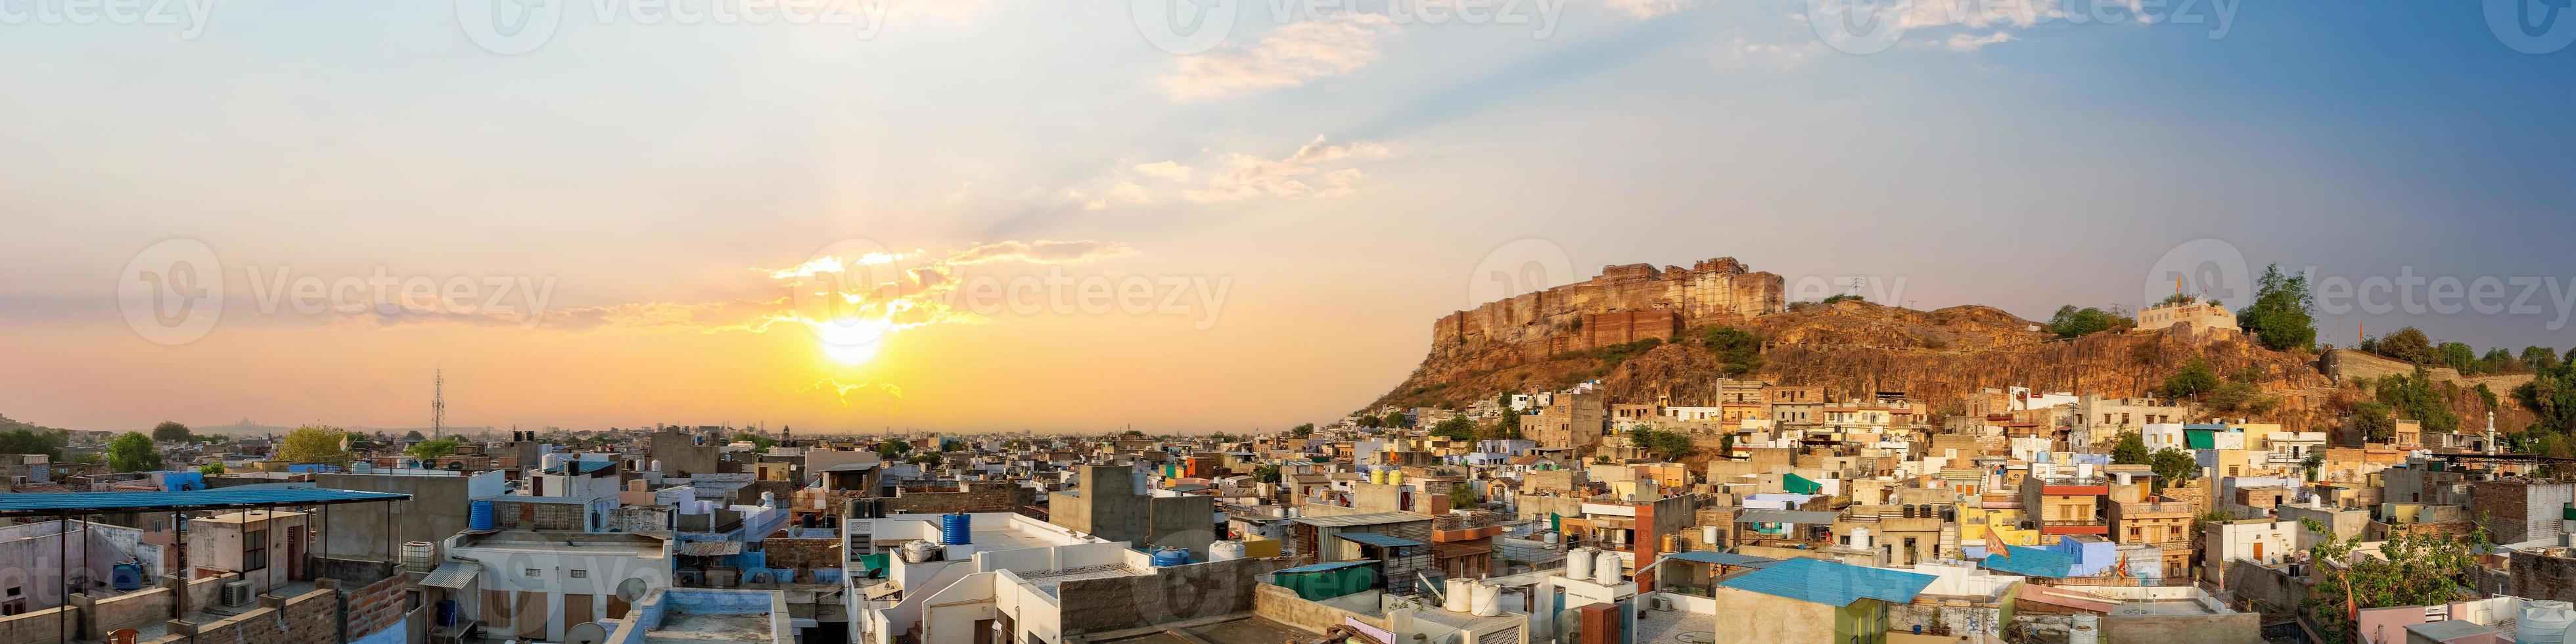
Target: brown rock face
[1851, 349]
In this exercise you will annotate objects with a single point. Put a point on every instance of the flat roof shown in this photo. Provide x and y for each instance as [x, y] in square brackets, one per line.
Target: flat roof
[66, 503]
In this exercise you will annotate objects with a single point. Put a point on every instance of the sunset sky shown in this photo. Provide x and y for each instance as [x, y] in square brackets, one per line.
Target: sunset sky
[1337, 178]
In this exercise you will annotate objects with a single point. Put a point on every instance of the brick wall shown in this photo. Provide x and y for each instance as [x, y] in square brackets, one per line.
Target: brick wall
[803, 553]
[378, 606]
[304, 619]
[975, 498]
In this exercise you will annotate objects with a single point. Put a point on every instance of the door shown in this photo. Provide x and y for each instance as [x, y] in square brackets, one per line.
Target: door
[2258, 551]
[578, 609]
[532, 616]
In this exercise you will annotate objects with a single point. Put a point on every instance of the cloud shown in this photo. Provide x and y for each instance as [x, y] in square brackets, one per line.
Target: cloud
[1317, 170]
[1784, 56]
[1164, 170]
[1972, 42]
[1041, 252]
[1647, 8]
[1287, 57]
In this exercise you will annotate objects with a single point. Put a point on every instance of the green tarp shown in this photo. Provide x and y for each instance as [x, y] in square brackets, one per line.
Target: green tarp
[1796, 484]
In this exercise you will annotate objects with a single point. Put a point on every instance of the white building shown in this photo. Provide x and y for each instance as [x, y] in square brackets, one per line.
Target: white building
[531, 585]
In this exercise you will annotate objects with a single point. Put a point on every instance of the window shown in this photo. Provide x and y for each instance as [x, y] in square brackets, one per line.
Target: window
[255, 558]
[580, 574]
[532, 572]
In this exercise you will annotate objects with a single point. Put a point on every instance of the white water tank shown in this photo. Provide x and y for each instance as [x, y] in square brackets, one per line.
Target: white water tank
[2087, 629]
[1548, 538]
[419, 556]
[1225, 551]
[1605, 571]
[2543, 621]
[1487, 599]
[1860, 538]
[1578, 564]
[1708, 535]
[1453, 595]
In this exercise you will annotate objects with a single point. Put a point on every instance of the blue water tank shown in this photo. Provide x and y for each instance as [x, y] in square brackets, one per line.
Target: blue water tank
[1171, 556]
[126, 577]
[447, 612]
[957, 529]
[480, 518]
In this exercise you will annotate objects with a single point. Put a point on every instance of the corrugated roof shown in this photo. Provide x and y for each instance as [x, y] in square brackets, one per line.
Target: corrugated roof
[215, 499]
[1324, 567]
[1830, 583]
[2031, 562]
[1725, 558]
[1379, 540]
[451, 576]
[1766, 515]
[1372, 518]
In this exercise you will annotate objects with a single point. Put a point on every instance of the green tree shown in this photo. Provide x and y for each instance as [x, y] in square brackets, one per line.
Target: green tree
[2314, 462]
[2414, 568]
[1456, 428]
[2373, 422]
[26, 441]
[1371, 421]
[132, 452]
[2536, 358]
[414, 436]
[1397, 420]
[314, 444]
[170, 431]
[927, 460]
[2280, 317]
[758, 442]
[2415, 396]
[2195, 378]
[2072, 322]
[1739, 350]
[2130, 449]
[211, 469]
[1302, 430]
[1462, 497]
[1221, 437]
[1672, 445]
[1265, 474]
[2458, 355]
[2172, 466]
[2409, 344]
[431, 450]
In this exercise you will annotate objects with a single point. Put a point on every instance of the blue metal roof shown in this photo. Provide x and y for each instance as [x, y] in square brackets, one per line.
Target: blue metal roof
[2031, 562]
[1829, 583]
[44, 504]
[1325, 567]
[1726, 558]
[1379, 540]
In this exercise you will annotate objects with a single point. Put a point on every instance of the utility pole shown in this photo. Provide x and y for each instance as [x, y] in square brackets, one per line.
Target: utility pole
[438, 403]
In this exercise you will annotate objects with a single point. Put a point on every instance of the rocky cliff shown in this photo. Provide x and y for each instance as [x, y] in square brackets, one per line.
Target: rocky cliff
[1852, 348]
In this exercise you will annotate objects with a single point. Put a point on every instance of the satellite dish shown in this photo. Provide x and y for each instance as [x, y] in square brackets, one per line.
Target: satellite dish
[586, 633]
[632, 590]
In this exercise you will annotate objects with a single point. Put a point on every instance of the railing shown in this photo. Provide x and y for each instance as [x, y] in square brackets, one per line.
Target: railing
[2069, 522]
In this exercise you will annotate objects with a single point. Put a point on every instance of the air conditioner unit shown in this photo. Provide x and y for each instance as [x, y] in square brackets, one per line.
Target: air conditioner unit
[1662, 604]
[238, 593]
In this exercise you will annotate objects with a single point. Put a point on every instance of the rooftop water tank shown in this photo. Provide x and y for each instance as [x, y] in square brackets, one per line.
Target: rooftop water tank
[2087, 629]
[1453, 595]
[1225, 551]
[1485, 600]
[1606, 570]
[126, 577]
[1578, 564]
[1168, 556]
[956, 529]
[2543, 621]
[480, 517]
[419, 556]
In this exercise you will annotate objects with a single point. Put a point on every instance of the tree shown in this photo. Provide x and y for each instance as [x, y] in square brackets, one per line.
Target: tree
[2195, 378]
[2280, 316]
[1672, 445]
[2072, 322]
[2413, 396]
[432, 450]
[2409, 344]
[170, 431]
[1456, 428]
[2314, 462]
[132, 452]
[758, 442]
[1265, 474]
[25, 441]
[314, 444]
[1738, 349]
[2414, 568]
[2173, 467]
[211, 469]
[1371, 421]
[2373, 422]
[1221, 437]
[2458, 355]
[2537, 358]
[414, 436]
[1133, 433]
[2130, 449]
[1397, 420]
[1302, 430]
[1462, 497]
[927, 460]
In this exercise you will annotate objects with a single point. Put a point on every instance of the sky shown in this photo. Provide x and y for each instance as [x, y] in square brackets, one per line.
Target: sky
[1078, 216]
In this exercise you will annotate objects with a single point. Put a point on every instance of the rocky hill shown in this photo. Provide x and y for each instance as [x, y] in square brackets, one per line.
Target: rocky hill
[1594, 329]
